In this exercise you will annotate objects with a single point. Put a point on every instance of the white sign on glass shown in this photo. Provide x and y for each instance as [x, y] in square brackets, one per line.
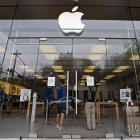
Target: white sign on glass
[25, 95]
[90, 81]
[51, 81]
[125, 95]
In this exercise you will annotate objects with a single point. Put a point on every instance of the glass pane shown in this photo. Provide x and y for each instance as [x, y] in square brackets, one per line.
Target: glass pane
[123, 60]
[18, 69]
[54, 60]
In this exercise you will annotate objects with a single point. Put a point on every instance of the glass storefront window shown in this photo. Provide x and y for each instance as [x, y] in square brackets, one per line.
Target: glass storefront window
[33, 50]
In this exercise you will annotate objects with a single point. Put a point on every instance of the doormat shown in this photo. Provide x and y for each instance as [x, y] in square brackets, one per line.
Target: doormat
[49, 131]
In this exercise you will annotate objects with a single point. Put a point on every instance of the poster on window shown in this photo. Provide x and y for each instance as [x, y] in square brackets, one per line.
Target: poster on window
[25, 95]
[125, 95]
[51, 81]
[90, 81]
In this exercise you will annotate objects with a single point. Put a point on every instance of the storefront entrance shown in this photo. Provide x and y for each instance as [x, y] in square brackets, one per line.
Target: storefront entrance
[113, 63]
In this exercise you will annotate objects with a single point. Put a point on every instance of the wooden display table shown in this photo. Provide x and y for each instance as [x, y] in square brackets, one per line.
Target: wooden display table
[37, 103]
[11, 104]
[107, 103]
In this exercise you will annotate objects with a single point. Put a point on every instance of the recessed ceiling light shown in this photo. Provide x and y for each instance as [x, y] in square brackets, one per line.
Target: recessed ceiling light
[117, 70]
[102, 81]
[24, 66]
[109, 76]
[57, 67]
[88, 70]
[30, 70]
[123, 67]
[95, 56]
[52, 56]
[59, 70]
[62, 76]
[99, 49]
[48, 48]
[135, 57]
[82, 84]
[83, 81]
[90, 67]
[85, 76]
[44, 80]
[98, 83]
[39, 77]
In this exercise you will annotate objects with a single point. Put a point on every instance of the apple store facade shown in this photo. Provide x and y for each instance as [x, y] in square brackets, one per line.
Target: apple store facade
[69, 41]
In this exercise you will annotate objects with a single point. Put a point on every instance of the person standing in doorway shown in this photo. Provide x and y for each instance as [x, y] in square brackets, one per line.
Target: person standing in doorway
[48, 96]
[90, 110]
[61, 108]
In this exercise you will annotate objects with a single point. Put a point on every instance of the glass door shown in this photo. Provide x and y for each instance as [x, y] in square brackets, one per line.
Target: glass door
[90, 57]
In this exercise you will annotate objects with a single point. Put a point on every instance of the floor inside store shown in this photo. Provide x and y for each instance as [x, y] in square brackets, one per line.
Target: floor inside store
[15, 125]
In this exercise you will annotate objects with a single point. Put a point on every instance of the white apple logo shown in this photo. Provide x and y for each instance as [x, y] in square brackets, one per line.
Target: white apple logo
[71, 22]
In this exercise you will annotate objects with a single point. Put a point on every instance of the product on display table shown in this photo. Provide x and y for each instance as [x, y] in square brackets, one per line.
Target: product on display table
[131, 117]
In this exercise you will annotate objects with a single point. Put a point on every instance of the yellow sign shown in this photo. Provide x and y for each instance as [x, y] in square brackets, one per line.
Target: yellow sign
[9, 87]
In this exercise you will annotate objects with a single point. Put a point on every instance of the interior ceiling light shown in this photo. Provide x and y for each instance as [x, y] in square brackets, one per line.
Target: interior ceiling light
[99, 48]
[136, 57]
[57, 67]
[109, 76]
[82, 84]
[88, 70]
[48, 48]
[95, 56]
[62, 76]
[90, 67]
[52, 56]
[44, 80]
[30, 70]
[59, 70]
[85, 76]
[102, 81]
[24, 66]
[117, 70]
[98, 83]
[38, 76]
[83, 81]
[27, 68]
[121, 68]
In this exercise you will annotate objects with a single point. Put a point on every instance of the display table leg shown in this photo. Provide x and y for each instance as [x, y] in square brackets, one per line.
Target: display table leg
[28, 110]
[43, 108]
[97, 111]
[117, 111]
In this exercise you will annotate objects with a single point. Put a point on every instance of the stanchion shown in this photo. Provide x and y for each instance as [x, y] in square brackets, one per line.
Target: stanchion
[46, 112]
[34, 107]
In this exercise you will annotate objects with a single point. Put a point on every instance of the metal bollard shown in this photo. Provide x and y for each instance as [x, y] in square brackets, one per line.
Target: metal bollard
[33, 107]
[46, 112]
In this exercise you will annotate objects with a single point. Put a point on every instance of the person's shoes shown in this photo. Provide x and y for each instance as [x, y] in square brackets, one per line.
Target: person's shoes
[8, 112]
[89, 128]
[61, 128]
[57, 126]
